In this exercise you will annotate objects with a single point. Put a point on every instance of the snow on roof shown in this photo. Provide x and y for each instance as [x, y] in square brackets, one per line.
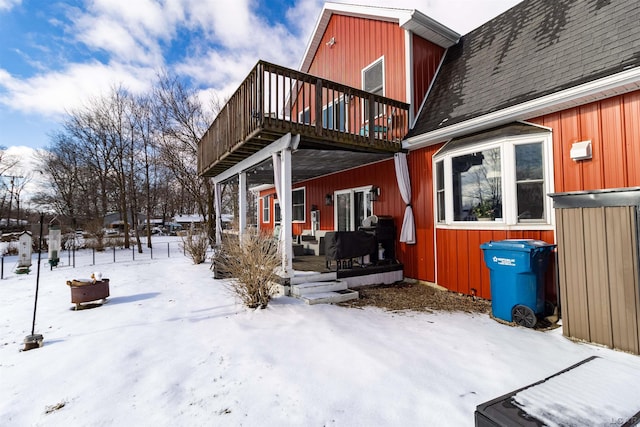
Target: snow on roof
[599, 392]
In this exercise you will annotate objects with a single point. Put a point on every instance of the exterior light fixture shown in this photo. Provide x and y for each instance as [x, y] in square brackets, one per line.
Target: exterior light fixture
[328, 199]
[374, 193]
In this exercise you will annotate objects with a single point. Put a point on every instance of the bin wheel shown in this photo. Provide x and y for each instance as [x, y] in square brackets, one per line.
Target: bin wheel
[549, 308]
[523, 316]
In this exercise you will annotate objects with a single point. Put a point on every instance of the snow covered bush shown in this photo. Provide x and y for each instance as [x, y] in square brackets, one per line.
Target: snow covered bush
[195, 245]
[250, 265]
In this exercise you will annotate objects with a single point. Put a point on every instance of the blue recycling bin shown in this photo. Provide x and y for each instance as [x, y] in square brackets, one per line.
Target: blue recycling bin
[517, 270]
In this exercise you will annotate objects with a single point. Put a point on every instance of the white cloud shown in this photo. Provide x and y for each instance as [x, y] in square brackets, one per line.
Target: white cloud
[228, 39]
[6, 5]
[53, 94]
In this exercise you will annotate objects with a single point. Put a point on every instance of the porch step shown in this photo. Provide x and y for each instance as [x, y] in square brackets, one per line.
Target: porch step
[317, 287]
[318, 277]
[330, 297]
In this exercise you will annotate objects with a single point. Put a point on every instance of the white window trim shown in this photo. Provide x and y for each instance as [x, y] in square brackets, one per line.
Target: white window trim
[266, 208]
[507, 170]
[275, 220]
[365, 118]
[352, 191]
[304, 204]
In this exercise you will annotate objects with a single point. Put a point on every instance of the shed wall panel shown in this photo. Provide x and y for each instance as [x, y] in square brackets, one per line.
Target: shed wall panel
[623, 283]
[596, 278]
[573, 274]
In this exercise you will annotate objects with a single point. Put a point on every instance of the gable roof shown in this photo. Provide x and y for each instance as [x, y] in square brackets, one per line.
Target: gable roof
[537, 57]
[408, 19]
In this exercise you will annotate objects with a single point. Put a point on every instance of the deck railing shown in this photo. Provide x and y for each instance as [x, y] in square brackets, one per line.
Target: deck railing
[274, 100]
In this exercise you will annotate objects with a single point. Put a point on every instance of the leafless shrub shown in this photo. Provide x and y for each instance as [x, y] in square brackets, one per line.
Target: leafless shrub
[114, 242]
[96, 230]
[196, 245]
[251, 265]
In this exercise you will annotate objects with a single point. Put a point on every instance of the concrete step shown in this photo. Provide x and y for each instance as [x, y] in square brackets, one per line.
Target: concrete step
[317, 287]
[318, 277]
[330, 297]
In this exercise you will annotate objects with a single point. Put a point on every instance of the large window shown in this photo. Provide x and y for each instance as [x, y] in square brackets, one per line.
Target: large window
[504, 181]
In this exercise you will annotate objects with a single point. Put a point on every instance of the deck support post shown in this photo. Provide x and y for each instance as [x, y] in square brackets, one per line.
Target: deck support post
[242, 204]
[286, 211]
[216, 198]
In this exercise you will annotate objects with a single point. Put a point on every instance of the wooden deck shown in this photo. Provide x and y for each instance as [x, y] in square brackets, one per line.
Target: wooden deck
[318, 264]
[273, 101]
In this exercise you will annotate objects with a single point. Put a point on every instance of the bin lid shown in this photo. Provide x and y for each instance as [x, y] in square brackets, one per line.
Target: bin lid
[524, 245]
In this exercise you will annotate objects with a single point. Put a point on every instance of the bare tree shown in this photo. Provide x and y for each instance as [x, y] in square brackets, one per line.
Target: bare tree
[183, 120]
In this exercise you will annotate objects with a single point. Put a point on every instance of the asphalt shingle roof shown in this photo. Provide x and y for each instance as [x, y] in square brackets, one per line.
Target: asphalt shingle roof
[536, 48]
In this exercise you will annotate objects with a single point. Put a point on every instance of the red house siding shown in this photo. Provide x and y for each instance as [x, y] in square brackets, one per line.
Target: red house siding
[426, 59]
[461, 266]
[613, 126]
[358, 43]
[418, 259]
[615, 122]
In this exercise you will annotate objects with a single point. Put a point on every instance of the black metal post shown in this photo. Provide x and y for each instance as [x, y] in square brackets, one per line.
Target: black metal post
[151, 251]
[168, 254]
[2, 269]
[133, 252]
[35, 304]
[34, 341]
[114, 253]
[93, 254]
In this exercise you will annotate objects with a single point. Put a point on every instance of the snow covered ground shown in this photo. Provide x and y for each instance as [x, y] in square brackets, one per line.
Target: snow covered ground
[172, 347]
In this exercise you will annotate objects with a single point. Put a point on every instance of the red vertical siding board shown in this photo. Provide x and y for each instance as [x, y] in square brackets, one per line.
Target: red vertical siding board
[442, 244]
[476, 265]
[426, 58]
[590, 130]
[614, 153]
[570, 133]
[463, 261]
[632, 136]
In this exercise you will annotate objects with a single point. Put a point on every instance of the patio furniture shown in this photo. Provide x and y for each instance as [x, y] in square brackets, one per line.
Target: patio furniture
[344, 246]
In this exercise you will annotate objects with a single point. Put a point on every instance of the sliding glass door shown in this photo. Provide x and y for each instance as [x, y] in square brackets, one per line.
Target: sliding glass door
[351, 207]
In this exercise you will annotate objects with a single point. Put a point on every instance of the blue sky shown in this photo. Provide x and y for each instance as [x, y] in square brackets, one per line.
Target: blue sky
[56, 55]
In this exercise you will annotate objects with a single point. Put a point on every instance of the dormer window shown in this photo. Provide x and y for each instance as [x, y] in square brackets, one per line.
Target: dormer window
[373, 82]
[373, 77]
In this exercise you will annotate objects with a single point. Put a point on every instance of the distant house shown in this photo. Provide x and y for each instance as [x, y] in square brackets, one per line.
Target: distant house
[543, 98]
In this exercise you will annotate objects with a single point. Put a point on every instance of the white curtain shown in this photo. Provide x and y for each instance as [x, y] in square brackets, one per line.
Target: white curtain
[277, 182]
[216, 195]
[408, 231]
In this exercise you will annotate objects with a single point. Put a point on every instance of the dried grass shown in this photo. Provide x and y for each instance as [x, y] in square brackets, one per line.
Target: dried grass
[417, 297]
